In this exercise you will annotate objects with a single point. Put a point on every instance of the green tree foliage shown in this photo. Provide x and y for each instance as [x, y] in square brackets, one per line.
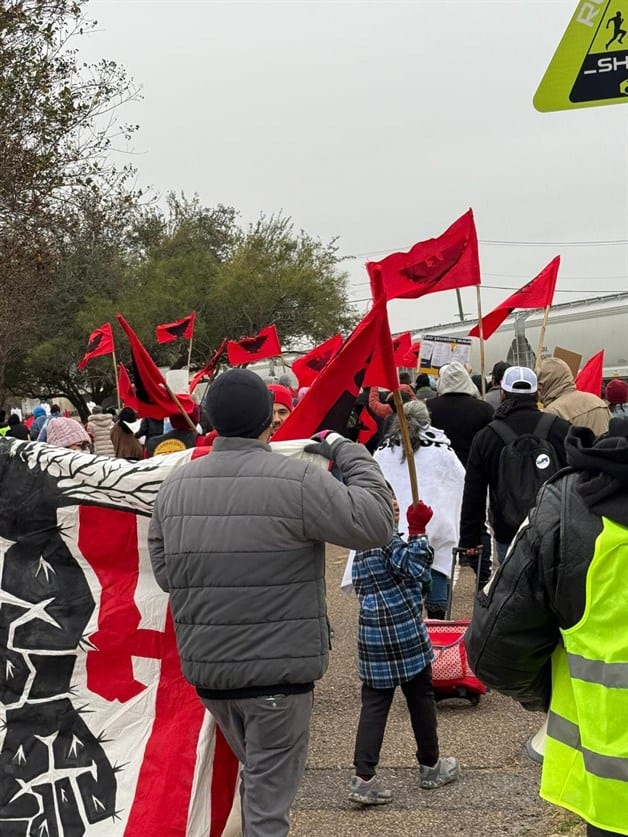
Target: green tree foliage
[57, 123]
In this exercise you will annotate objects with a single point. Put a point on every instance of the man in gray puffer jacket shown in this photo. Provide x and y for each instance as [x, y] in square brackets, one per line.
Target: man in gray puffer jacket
[238, 539]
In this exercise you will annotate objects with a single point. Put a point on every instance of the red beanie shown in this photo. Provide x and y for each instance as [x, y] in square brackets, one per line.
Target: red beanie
[617, 391]
[281, 395]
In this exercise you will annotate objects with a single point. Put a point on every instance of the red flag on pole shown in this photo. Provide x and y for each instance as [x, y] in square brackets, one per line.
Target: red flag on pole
[308, 367]
[401, 346]
[169, 332]
[412, 356]
[439, 264]
[590, 377]
[210, 367]
[537, 293]
[262, 345]
[100, 343]
[328, 403]
[151, 392]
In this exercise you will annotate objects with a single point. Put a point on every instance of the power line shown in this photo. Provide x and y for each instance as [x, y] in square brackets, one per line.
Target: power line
[499, 243]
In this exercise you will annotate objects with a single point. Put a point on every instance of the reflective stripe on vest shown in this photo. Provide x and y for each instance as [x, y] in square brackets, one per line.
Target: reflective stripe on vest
[585, 768]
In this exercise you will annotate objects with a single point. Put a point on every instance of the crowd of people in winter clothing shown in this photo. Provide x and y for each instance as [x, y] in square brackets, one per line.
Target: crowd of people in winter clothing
[529, 534]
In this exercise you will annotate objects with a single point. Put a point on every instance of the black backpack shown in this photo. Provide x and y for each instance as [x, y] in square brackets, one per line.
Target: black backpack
[525, 463]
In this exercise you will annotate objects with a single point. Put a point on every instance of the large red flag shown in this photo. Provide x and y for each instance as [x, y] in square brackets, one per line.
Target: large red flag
[264, 344]
[169, 332]
[366, 358]
[308, 367]
[439, 264]
[537, 293]
[100, 343]
[210, 367]
[401, 346]
[590, 377]
[151, 392]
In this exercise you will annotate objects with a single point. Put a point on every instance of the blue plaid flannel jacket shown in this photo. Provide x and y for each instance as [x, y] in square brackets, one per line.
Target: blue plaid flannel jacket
[393, 644]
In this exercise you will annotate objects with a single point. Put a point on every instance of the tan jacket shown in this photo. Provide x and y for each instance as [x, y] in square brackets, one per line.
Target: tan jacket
[559, 396]
[99, 427]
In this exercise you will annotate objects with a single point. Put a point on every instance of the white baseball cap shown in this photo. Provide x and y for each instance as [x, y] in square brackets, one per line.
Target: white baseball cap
[519, 379]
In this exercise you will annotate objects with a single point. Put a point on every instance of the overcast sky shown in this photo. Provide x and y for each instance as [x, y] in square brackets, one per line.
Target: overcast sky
[380, 123]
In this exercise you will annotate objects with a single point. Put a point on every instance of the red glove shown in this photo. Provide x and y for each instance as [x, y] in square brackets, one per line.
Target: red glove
[418, 516]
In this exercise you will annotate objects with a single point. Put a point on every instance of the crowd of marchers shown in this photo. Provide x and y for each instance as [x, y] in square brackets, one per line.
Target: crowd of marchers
[528, 483]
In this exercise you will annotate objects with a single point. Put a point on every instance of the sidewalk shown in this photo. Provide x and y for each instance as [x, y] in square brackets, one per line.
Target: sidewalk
[498, 790]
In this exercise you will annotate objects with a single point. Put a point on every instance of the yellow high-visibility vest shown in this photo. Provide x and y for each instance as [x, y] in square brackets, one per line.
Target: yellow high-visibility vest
[585, 768]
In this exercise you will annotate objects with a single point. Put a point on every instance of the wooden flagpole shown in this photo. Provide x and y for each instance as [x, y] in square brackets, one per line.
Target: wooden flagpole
[481, 330]
[407, 446]
[180, 407]
[115, 378]
[190, 355]
[542, 336]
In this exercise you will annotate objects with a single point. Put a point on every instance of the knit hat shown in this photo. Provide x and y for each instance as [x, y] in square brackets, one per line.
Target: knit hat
[14, 419]
[617, 391]
[453, 377]
[519, 379]
[239, 404]
[281, 395]
[63, 432]
[39, 411]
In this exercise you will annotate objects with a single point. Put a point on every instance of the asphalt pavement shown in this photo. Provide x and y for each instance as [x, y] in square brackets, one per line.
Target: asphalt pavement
[497, 793]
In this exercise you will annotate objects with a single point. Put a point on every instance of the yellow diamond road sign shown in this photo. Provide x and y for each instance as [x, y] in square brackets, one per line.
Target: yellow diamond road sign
[590, 66]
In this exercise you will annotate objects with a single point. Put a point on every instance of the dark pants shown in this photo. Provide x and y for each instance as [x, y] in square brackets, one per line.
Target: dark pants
[419, 696]
[592, 831]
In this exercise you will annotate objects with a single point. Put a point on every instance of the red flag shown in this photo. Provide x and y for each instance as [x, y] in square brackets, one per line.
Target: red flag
[308, 367]
[368, 426]
[401, 346]
[264, 344]
[151, 392]
[382, 370]
[589, 378]
[412, 356]
[439, 264]
[169, 332]
[100, 343]
[210, 367]
[328, 403]
[537, 293]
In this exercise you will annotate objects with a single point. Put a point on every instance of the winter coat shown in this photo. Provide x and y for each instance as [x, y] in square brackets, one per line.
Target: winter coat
[522, 415]
[99, 426]
[560, 397]
[441, 481]
[18, 431]
[460, 416]
[541, 587]
[238, 539]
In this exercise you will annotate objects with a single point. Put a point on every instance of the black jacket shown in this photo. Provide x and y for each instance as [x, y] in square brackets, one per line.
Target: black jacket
[521, 414]
[540, 588]
[460, 416]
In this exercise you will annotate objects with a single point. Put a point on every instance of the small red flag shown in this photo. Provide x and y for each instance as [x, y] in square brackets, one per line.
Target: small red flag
[537, 293]
[401, 346]
[151, 392]
[328, 403]
[264, 344]
[308, 367]
[590, 377]
[100, 343]
[210, 367]
[439, 264]
[412, 356]
[169, 332]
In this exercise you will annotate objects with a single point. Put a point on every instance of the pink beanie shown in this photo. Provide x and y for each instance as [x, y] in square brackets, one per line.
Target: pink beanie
[63, 432]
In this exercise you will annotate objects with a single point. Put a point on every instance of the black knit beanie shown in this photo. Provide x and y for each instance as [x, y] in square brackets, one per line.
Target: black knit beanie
[238, 404]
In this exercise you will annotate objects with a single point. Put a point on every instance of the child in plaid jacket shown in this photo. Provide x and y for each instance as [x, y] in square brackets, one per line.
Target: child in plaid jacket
[394, 650]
